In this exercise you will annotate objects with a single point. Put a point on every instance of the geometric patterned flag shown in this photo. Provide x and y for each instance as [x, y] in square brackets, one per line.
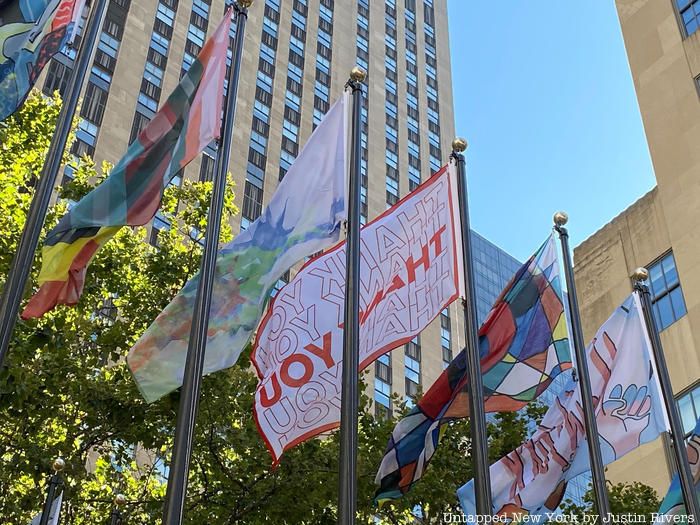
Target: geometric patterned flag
[532, 479]
[409, 272]
[131, 194]
[674, 504]
[304, 216]
[523, 346]
[31, 32]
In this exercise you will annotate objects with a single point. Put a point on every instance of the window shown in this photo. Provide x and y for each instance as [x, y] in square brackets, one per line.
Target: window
[252, 201]
[689, 11]
[94, 104]
[689, 407]
[206, 169]
[445, 337]
[382, 398]
[666, 293]
[412, 367]
[56, 79]
[140, 122]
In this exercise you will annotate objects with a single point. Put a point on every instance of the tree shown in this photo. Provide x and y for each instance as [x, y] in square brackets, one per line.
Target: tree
[625, 498]
[66, 391]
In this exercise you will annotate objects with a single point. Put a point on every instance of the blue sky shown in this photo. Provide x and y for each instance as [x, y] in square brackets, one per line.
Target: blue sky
[544, 96]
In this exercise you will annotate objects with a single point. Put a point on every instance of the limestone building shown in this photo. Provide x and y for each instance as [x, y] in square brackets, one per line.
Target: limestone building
[660, 231]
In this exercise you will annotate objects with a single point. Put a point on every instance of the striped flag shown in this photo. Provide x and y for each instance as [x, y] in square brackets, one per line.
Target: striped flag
[30, 34]
[188, 121]
[523, 345]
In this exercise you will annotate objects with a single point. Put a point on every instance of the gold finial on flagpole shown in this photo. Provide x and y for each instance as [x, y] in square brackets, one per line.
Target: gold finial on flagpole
[58, 464]
[459, 144]
[561, 218]
[358, 74]
[640, 274]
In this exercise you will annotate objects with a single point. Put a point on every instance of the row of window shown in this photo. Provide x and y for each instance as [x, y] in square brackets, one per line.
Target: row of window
[97, 90]
[260, 127]
[362, 60]
[293, 96]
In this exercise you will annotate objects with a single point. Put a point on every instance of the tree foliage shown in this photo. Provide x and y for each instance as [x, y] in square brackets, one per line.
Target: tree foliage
[625, 498]
[66, 391]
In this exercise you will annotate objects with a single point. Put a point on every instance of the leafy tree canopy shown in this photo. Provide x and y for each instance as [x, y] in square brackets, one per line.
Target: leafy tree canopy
[625, 498]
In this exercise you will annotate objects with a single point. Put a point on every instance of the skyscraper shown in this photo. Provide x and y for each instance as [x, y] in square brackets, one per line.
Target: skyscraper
[297, 58]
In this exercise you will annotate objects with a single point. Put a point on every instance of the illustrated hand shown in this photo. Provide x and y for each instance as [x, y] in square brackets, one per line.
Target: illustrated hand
[623, 417]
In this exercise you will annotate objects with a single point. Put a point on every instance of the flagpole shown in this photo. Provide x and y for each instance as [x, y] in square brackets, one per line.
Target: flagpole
[479, 449]
[679, 451]
[116, 516]
[55, 482]
[22, 262]
[347, 486]
[173, 513]
[584, 379]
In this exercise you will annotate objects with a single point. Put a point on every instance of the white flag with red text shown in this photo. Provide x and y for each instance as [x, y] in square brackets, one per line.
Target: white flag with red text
[410, 271]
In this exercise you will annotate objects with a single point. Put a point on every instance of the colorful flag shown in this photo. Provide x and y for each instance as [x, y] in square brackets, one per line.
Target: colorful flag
[674, 504]
[188, 121]
[523, 346]
[54, 512]
[409, 272]
[532, 479]
[304, 216]
[31, 32]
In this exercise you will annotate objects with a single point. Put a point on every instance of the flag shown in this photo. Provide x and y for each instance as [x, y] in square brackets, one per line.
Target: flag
[409, 272]
[188, 121]
[54, 512]
[523, 346]
[674, 504]
[31, 32]
[304, 216]
[532, 479]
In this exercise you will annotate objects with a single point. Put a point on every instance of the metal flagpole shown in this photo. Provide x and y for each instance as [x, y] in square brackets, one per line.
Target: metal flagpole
[22, 261]
[116, 516]
[347, 487]
[681, 454]
[55, 482]
[480, 446]
[194, 365]
[584, 380]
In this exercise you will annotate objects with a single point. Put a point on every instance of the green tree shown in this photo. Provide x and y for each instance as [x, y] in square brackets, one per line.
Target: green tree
[65, 390]
[625, 498]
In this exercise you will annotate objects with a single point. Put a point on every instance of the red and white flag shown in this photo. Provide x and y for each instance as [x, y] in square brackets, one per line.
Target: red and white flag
[410, 271]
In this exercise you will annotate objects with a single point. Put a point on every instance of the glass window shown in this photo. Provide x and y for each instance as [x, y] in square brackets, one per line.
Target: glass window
[666, 293]
[252, 201]
[690, 14]
[56, 79]
[206, 169]
[382, 393]
[689, 407]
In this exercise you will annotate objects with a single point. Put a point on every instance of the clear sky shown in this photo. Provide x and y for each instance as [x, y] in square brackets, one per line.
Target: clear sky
[544, 96]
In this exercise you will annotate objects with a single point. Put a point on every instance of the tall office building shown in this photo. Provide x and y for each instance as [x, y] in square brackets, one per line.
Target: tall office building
[297, 58]
[660, 230]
